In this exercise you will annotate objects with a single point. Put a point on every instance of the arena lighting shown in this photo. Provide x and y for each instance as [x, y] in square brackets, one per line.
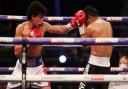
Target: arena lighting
[62, 59]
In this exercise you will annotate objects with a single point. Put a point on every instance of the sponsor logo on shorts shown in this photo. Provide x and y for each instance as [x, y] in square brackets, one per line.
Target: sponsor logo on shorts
[83, 84]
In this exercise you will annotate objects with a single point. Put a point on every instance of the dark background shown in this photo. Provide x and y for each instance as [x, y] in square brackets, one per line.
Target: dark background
[76, 57]
[67, 7]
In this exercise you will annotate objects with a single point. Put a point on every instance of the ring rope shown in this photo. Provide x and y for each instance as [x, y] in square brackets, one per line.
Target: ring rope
[62, 19]
[65, 78]
[48, 45]
[65, 41]
[66, 69]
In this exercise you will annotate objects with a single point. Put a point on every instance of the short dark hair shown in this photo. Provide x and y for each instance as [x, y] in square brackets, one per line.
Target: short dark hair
[91, 11]
[35, 8]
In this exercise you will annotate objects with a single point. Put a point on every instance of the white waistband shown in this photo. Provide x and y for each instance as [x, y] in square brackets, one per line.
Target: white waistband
[99, 61]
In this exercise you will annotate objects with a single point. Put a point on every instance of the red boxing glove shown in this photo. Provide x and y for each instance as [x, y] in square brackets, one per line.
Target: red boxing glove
[78, 20]
[73, 22]
[80, 17]
[35, 33]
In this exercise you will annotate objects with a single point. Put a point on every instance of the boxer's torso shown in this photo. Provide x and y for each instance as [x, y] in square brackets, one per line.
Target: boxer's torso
[32, 50]
[101, 29]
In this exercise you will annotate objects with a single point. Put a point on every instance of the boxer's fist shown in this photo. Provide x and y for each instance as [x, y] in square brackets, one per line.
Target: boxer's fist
[78, 20]
[35, 33]
[80, 17]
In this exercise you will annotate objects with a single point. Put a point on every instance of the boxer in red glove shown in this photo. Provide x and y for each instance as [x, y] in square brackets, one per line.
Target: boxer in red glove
[78, 20]
[35, 33]
[35, 27]
[99, 61]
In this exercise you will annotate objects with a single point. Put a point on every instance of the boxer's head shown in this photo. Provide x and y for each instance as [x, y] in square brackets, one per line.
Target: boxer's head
[92, 14]
[123, 63]
[35, 12]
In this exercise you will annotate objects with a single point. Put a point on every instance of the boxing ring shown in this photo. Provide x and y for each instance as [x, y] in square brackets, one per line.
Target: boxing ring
[10, 41]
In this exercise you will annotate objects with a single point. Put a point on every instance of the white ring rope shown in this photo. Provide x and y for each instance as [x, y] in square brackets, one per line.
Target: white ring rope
[65, 78]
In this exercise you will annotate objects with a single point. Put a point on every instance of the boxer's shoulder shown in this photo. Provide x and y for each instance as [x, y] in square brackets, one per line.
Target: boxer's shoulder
[102, 21]
[24, 23]
[44, 25]
[91, 26]
[97, 24]
[22, 27]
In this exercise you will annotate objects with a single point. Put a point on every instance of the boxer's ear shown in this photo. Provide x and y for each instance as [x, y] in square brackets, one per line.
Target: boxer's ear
[90, 17]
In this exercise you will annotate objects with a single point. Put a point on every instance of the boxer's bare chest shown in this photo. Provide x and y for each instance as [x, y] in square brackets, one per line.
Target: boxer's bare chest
[33, 50]
[27, 28]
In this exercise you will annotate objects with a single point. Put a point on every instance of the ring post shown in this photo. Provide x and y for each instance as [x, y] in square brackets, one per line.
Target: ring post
[23, 60]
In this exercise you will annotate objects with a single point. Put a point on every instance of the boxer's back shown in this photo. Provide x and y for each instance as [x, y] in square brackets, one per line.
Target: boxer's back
[101, 29]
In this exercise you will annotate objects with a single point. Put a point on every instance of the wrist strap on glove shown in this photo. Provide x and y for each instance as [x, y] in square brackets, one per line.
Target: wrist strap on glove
[82, 29]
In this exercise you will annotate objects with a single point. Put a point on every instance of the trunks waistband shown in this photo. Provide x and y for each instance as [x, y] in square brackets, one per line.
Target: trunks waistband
[99, 61]
[33, 61]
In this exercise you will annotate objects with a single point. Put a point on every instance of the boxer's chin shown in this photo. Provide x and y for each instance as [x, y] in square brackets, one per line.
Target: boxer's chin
[39, 22]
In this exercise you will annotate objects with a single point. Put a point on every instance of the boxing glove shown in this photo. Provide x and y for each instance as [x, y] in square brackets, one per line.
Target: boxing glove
[35, 33]
[78, 20]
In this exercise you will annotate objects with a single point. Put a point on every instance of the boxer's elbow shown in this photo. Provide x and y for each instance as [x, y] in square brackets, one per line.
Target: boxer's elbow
[18, 51]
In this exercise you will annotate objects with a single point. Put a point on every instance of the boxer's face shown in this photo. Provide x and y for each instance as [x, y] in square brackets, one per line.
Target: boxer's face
[37, 20]
[123, 62]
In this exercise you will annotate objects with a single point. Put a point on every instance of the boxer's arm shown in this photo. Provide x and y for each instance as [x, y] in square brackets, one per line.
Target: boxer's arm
[78, 20]
[87, 33]
[18, 48]
[59, 29]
